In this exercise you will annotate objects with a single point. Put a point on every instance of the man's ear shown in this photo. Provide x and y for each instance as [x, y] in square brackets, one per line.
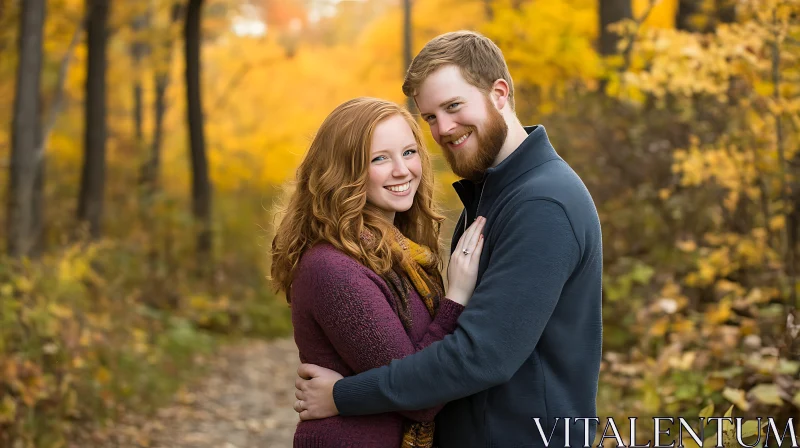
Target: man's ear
[499, 93]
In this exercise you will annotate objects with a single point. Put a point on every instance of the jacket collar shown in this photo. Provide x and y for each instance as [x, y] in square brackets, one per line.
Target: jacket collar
[532, 152]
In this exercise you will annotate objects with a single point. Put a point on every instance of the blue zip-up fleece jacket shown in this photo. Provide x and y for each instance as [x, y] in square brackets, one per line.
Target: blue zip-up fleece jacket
[528, 344]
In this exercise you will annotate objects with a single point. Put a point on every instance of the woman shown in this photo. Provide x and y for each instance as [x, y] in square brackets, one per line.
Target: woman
[356, 254]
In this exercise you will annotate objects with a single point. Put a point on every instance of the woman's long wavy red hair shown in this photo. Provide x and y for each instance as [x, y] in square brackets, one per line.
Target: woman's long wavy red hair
[329, 200]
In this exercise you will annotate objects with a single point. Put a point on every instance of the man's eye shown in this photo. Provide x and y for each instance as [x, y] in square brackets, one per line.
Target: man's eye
[453, 105]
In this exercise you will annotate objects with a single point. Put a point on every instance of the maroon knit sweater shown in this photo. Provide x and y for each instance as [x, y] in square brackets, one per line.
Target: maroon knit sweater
[344, 322]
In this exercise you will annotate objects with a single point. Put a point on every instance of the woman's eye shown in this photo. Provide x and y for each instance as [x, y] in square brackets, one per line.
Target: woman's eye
[409, 152]
[452, 105]
[378, 159]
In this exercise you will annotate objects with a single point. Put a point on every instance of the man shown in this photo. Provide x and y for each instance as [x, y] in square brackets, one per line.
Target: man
[526, 353]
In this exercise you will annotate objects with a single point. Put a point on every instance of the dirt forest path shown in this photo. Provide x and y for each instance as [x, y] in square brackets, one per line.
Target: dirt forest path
[244, 402]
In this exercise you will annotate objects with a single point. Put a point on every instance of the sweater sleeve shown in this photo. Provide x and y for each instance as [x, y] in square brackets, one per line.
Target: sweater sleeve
[533, 256]
[353, 312]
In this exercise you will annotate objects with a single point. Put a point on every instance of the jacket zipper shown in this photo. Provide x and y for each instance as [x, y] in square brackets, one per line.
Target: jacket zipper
[466, 211]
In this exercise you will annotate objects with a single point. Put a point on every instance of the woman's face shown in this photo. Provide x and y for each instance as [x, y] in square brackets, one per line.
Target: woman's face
[395, 169]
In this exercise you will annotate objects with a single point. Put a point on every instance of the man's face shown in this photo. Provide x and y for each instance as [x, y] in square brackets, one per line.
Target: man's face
[463, 121]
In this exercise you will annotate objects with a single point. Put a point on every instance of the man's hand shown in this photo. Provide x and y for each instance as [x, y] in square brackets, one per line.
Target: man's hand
[315, 392]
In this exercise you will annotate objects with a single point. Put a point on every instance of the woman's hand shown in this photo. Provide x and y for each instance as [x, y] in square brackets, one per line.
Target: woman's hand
[462, 272]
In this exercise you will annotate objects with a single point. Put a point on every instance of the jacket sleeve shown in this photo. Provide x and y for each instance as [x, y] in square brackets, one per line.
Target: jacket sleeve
[533, 254]
[359, 322]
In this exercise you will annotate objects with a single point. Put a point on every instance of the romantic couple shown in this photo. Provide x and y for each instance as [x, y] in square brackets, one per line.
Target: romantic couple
[391, 356]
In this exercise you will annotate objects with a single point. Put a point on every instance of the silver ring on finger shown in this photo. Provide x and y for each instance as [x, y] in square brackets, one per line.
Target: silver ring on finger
[466, 252]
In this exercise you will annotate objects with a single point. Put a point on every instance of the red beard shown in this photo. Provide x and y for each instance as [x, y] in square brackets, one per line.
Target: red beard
[489, 142]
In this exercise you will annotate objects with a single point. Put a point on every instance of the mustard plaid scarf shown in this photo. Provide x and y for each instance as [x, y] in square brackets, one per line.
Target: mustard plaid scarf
[414, 266]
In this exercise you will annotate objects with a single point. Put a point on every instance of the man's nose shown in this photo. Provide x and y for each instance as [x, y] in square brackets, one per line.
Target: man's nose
[445, 125]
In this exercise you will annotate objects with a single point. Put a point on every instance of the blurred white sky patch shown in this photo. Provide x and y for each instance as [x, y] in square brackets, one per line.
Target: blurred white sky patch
[248, 22]
[249, 19]
[319, 9]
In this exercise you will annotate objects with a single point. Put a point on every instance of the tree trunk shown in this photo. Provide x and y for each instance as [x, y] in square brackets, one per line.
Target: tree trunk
[726, 11]
[38, 209]
[685, 13]
[25, 167]
[201, 187]
[139, 49]
[407, 46]
[2, 16]
[787, 195]
[138, 116]
[612, 11]
[90, 204]
[487, 8]
[151, 167]
[49, 122]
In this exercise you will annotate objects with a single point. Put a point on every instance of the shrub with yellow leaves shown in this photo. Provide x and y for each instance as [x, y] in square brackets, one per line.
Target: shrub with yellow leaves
[717, 330]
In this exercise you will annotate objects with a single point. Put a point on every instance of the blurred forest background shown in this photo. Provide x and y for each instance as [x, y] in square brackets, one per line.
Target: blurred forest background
[138, 188]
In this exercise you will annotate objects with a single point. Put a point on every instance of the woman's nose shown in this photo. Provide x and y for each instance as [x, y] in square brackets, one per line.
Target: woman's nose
[400, 169]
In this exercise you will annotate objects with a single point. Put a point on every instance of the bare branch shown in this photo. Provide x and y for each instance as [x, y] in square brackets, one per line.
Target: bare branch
[639, 21]
[235, 80]
[646, 14]
[58, 96]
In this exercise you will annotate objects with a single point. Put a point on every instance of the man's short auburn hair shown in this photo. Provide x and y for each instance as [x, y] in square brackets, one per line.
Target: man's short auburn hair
[478, 58]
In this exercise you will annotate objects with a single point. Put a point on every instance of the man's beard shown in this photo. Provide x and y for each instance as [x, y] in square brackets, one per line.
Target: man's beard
[489, 141]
